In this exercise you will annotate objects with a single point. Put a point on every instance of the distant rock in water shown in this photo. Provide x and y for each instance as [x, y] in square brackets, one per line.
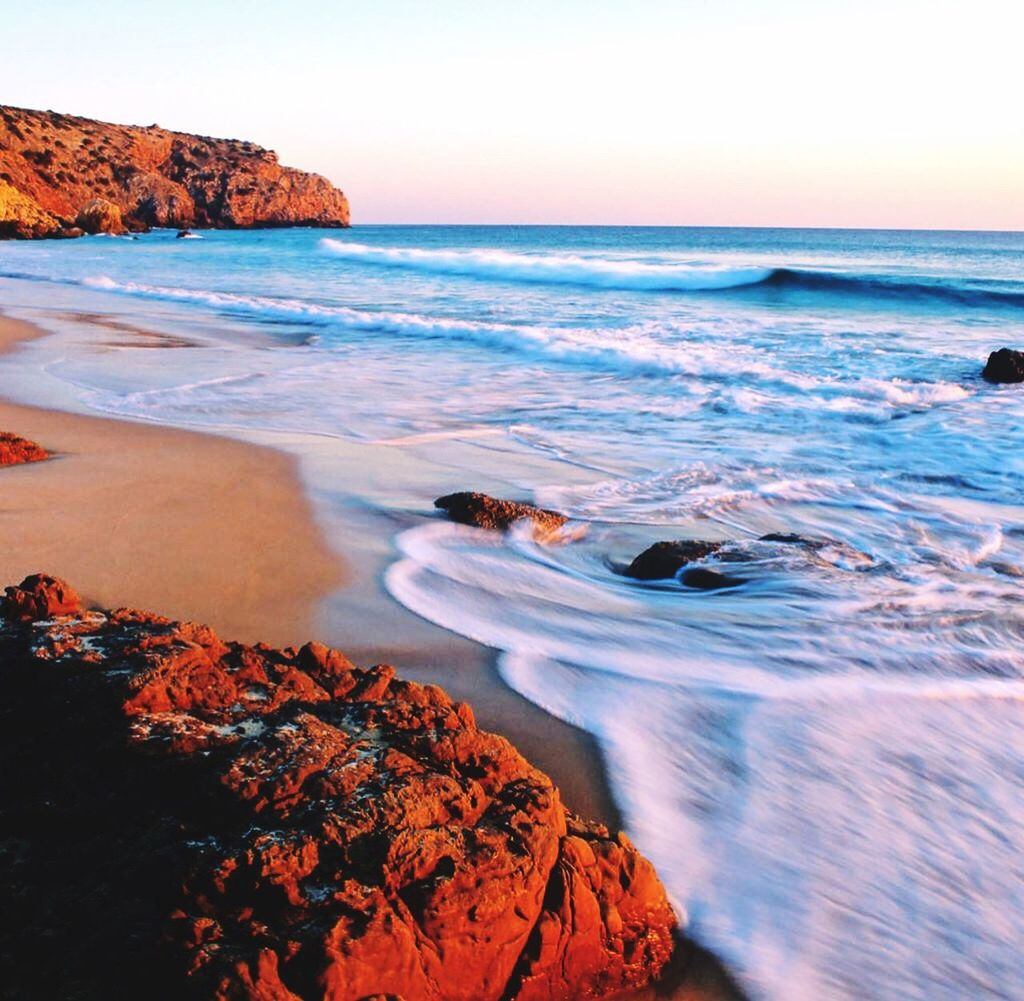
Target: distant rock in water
[792, 539]
[1004, 365]
[186, 818]
[703, 579]
[666, 559]
[14, 450]
[183, 234]
[469, 508]
[54, 169]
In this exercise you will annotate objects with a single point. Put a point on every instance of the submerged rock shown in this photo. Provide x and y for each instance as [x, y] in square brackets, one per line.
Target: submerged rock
[14, 450]
[792, 539]
[704, 579]
[1004, 365]
[470, 508]
[188, 818]
[666, 559]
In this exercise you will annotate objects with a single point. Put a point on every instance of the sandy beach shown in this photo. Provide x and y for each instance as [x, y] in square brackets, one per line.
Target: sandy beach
[205, 528]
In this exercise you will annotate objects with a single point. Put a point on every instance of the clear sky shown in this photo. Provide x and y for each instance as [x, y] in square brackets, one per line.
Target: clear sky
[688, 112]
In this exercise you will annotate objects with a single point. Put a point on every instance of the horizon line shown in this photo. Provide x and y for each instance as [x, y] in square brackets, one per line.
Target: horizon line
[659, 225]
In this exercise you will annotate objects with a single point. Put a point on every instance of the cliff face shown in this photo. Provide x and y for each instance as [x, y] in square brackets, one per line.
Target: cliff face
[187, 818]
[60, 175]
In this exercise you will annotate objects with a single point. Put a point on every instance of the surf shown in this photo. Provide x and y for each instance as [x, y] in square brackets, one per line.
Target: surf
[552, 269]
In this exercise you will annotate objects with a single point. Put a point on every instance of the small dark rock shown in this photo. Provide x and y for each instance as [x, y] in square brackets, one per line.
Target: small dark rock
[1007, 569]
[665, 559]
[1004, 365]
[709, 580]
[791, 538]
[183, 233]
[470, 508]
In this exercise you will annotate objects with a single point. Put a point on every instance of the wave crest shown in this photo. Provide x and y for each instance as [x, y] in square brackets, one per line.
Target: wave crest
[553, 269]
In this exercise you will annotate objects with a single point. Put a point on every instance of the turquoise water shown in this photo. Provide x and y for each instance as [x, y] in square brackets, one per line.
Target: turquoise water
[825, 763]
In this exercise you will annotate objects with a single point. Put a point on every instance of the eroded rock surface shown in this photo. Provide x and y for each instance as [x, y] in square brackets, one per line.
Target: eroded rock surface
[14, 450]
[183, 817]
[55, 169]
[470, 508]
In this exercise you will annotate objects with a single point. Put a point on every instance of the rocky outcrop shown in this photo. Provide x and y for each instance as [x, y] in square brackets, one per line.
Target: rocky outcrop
[187, 818]
[21, 218]
[100, 216]
[469, 508]
[53, 166]
[666, 559]
[1004, 365]
[15, 449]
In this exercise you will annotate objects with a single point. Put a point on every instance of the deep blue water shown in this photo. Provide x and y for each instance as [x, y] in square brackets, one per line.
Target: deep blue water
[825, 763]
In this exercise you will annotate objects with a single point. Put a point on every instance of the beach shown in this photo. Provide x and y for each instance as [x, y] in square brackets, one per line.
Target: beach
[204, 528]
[805, 407]
[208, 529]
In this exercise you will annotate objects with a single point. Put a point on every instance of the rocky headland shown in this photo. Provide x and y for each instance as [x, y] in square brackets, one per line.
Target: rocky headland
[61, 175]
[184, 817]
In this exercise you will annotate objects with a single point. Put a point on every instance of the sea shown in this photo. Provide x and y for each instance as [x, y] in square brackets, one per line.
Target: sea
[826, 762]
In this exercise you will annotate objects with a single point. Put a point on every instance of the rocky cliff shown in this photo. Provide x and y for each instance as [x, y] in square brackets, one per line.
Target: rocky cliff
[61, 176]
[186, 818]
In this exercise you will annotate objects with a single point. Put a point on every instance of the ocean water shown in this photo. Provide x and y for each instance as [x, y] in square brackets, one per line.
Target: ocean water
[826, 763]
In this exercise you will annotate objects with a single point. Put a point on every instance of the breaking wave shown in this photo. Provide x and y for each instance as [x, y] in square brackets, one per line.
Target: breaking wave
[647, 276]
[632, 351]
[553, 269]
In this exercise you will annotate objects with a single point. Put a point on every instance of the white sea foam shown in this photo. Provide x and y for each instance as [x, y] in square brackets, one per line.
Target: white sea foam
[629, 350]
[552, 269]
[847, 819]
[822, 761]
[636, 350]
[827, 844]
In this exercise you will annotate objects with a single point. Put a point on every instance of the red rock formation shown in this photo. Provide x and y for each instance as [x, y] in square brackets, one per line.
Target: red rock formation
[193, 818]
[53, 167]
[15, 449]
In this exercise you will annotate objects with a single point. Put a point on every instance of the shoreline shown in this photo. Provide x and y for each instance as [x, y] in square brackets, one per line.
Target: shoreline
[220, 531]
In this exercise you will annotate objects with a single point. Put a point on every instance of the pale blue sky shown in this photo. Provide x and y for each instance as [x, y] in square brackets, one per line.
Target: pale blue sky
[775, 112]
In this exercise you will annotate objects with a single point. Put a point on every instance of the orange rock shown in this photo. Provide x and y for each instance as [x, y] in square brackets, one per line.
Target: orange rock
[14, 450]
[294, 828]
[40, 597]
[56, 169]
[99, 216]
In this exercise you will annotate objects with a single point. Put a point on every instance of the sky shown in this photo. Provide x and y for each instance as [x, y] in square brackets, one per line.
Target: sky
[880, 113]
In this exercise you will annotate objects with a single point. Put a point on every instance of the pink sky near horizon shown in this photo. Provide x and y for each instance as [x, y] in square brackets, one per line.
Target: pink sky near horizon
[742, 112]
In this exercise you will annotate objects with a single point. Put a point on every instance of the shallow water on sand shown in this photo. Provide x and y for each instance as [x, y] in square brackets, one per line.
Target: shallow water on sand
[826, 762]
